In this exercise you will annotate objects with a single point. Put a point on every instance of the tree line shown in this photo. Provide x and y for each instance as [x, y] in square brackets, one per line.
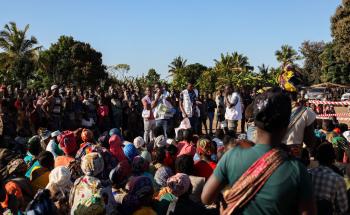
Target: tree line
[24, 63]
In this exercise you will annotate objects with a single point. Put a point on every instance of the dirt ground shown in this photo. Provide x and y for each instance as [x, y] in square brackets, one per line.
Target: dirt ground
[342, 110]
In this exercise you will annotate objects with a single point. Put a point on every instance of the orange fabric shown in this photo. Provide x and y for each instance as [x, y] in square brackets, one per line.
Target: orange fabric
[63, 161]
[13, 189]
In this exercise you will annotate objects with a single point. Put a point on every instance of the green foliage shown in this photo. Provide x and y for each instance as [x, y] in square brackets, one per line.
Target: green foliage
[152, 77]
[207, 81]
[70, 61]
[177, 64]
[287, 55]
[340, 27]
[234, 69]
[19, 56]
[333, 71]
[312, 68]
[183, 75]
[266, 76]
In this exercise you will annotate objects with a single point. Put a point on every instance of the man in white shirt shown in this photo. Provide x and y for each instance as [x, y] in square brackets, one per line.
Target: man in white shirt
[188, 105]
[233, 105]
[163, 107]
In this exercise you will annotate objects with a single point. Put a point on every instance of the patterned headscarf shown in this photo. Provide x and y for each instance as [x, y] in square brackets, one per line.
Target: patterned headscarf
[140, 187]
[130, 151]
[92, 164]
[205, 147]
[16, 166]
[120, 174]
[87, 135]
[179, 184]
[115, 147]
[160, 141]
[85, 149]
[289, 79]
[139, 165]
[162, 175]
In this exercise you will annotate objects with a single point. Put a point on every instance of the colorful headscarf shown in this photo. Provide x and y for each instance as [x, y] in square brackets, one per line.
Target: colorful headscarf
[140, 187]
[289, 79]
[85, 149]
[139, 165]
[67, 142]
[87, 135]
[92, 164]
[130, 151]
[205, 147]
[139, 142]
[162, 175]
[115, 147]
[179, 184]
[120, 174]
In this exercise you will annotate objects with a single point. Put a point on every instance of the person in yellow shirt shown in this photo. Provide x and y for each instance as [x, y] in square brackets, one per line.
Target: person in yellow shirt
[40, 174]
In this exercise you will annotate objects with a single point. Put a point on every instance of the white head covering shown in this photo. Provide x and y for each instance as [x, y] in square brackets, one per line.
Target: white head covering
[55, 133]
[54, 87]
[160, 141]
[346, 134]
[139, 142]
[60, 177]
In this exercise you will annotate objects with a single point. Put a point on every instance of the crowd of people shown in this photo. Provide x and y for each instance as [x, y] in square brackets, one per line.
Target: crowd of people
[123, 151]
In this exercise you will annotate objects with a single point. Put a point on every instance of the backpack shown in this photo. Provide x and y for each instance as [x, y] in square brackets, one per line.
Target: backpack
[67, 142]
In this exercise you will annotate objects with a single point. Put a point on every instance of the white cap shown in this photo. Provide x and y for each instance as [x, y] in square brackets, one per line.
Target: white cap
[54, 87]
[139, 142]
[55, 133]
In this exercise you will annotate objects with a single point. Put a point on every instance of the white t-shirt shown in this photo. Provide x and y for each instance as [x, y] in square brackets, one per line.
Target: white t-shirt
[295, 135]
[147, 113]
[161, 111]
[235, 112]
[188, 104]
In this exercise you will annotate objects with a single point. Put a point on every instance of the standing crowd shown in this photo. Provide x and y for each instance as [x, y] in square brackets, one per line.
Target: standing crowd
[122, 151]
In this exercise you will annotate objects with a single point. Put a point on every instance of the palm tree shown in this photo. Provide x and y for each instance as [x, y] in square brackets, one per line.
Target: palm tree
[263, 70]
[240, 62]
[176, 64]
[224, 64]
[287, 55]
[234, 62]
[19, 53]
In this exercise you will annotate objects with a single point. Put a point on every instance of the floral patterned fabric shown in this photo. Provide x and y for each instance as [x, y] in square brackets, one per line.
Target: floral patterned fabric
[85, 197]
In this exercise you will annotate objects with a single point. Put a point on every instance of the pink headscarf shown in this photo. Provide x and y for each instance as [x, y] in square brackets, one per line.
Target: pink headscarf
[179, 184]
[185, 148]
[115, 147]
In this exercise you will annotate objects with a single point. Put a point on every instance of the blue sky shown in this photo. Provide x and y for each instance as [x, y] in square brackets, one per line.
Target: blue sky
[150, 33]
